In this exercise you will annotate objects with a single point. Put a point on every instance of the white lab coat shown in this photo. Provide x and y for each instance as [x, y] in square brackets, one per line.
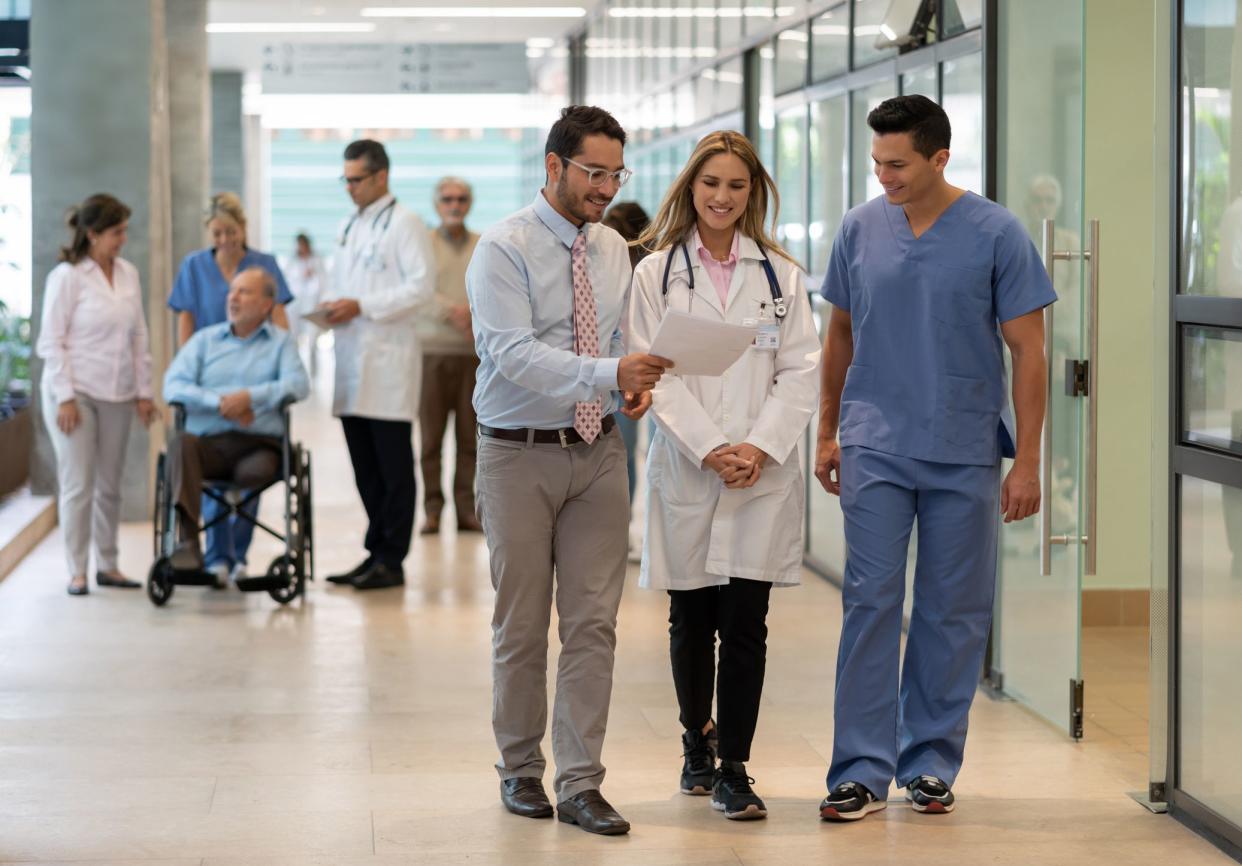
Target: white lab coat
[386, 266]
[698, 533]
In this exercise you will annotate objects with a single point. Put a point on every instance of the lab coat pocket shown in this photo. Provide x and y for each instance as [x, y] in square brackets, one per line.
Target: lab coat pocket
[964, 418]
[676, 480]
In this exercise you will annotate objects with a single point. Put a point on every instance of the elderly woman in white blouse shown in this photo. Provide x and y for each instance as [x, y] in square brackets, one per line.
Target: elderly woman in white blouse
[96, 376]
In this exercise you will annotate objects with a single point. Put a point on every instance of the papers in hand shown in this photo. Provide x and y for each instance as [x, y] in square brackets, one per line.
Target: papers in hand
[319, 316]
[700, 347]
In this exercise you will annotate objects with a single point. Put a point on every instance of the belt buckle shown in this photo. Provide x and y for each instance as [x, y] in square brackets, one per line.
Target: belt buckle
[561, 434]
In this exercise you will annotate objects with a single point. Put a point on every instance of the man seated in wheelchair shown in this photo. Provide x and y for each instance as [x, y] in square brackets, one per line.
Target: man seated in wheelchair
[231, 378]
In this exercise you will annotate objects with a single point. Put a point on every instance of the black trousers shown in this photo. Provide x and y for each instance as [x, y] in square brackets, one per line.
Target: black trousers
[737, 611]
[383, 456]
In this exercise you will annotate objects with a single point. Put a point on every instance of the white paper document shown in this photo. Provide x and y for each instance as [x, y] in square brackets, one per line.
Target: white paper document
[319, 317]
[700, 347]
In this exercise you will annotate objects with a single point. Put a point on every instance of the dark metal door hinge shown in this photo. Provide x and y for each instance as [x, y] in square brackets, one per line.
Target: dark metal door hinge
[1076, 708]
[1077, 375]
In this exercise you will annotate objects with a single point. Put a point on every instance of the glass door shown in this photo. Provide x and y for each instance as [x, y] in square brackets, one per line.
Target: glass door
[1039, 170]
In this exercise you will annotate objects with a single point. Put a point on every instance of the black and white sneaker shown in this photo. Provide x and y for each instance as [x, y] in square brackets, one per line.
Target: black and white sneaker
[698, 770]
[732, 794]
[929, 794]
[849, 801]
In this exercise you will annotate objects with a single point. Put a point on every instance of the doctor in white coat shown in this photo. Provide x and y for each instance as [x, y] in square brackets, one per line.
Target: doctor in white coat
[725, 501]
[382, 280]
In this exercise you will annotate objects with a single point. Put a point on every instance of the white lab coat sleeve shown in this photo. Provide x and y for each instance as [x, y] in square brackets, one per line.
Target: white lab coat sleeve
[677, 412]
[787, 409]
[59, 300]
[414, 289]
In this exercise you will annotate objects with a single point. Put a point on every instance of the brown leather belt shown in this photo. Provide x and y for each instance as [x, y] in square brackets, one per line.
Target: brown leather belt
[564, 437]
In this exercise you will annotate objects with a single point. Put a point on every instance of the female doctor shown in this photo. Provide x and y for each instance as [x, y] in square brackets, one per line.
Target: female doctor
[725, 500]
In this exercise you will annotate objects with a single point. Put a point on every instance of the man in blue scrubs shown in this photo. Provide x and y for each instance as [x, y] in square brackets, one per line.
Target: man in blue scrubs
[925, 282]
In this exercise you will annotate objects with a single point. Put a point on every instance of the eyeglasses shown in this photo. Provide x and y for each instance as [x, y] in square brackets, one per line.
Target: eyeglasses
[454, 199]
[354, 181]
[599, 176]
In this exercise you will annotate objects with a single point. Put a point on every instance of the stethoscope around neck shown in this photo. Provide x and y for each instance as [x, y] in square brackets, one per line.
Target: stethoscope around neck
[778, 300]
[384, 214]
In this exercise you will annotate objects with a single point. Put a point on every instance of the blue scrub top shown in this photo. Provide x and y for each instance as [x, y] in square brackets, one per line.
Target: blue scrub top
[928, 376]
[200, 288]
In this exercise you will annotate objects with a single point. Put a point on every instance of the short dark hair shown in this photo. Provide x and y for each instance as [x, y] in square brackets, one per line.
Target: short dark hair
[370, 150]
[576, 123]
[926, 122]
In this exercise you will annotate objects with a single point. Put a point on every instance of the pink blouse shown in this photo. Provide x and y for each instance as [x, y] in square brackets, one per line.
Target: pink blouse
[720, 272]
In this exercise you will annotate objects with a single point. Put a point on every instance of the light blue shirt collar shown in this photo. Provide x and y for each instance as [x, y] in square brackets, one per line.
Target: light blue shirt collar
[565, 231]
[265, 329]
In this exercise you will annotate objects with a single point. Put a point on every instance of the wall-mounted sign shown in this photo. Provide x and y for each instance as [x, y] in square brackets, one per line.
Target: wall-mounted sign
[350, 67]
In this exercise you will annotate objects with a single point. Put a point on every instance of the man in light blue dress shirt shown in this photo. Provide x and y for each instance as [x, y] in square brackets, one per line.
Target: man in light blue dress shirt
[552, 481]
[231, 378]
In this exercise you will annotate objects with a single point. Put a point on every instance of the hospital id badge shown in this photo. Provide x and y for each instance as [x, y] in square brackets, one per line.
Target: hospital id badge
[769, 336]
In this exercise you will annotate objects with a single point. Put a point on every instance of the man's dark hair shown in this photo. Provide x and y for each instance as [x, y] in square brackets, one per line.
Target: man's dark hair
[370, 150]
[576, 123]
[926, 122]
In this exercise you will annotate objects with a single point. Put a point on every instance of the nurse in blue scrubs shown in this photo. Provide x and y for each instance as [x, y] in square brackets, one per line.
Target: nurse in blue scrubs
[198, 299]
[926, 281]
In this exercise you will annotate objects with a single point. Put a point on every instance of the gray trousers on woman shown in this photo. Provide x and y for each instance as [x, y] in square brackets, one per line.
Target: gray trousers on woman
[89, 463]
[557, 525]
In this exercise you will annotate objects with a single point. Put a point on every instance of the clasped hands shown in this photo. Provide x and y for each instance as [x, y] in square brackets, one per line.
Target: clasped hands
[236, 407]
[739, 466]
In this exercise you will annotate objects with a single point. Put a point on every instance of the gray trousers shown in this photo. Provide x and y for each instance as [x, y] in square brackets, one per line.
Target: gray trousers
[557, 523]
[89, 463]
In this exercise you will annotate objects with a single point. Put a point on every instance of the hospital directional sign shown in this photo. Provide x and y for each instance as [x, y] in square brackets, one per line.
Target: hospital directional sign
[353, 67]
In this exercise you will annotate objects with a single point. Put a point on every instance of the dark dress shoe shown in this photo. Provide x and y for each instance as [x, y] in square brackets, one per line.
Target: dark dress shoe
[348, 576]
[525, 796]
[379, 576]
[590, 811]
[469, 523]
[78, 588]
[118, 582]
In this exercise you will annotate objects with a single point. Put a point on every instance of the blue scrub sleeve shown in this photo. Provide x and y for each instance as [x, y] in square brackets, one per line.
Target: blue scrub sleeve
[182, 298]
[283, 295]
[836, 287]
[1020, 284]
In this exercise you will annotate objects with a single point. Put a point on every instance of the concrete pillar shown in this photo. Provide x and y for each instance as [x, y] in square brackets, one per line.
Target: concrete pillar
[189, 112]
[228, 172]
[100, 123]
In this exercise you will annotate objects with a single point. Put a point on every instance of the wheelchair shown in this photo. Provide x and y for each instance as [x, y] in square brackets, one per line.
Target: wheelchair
[288, 573]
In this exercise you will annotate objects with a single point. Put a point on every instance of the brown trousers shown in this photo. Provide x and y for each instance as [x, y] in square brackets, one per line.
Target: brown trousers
[448, 387]
[244, 459]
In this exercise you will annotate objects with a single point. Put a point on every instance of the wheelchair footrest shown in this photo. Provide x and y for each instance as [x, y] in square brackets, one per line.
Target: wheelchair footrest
[261, 584]
[192, 578]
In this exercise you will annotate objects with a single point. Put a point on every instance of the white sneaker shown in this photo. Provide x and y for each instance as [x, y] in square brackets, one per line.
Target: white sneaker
[238, 570]
[220, 571]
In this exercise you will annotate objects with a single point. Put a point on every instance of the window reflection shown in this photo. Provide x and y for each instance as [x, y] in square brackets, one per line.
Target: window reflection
[863, 183]
[963, 102]
[791, 59]
[791, 180]
[830, 40]
[1212, 387]
[829, 177]
[868, 16]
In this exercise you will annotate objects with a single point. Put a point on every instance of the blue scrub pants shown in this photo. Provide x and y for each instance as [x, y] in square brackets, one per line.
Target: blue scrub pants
[229, 540]
[882, 731]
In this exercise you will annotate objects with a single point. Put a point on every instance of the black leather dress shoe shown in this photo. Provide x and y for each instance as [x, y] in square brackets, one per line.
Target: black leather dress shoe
[103, 579]
[379, 576]
[590, 811]
[348, 576]
[525, 796]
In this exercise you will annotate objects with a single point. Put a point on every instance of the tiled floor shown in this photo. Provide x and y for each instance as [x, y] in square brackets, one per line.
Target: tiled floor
[353, 730]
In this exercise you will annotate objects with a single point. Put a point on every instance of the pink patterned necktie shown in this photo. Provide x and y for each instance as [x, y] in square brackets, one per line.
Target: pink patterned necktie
[588, 417]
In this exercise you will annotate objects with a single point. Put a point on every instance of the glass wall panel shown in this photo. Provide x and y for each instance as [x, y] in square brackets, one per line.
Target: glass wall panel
[1212, 387]
[729, 86]
[767, 115]
[791, 59]
[863, 185]
[705, 95]
[868, 15]
[757, 15]
[686, 112]
[704, 23]
[962, 15]
[826, 532]
[829, 164]
[1211, 644]
[923, 81]
[729, 23]
[791, 180]
[963, 102]
[830, 43]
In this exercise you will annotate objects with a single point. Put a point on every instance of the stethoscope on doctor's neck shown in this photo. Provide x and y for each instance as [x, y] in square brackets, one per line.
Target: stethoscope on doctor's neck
[778, 301]
[384, 214]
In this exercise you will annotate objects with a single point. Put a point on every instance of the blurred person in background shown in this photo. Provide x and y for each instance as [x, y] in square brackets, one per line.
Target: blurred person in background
[308, 278]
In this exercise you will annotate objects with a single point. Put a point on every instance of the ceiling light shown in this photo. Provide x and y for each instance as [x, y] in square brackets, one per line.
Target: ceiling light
[473, 12]
[290, 27]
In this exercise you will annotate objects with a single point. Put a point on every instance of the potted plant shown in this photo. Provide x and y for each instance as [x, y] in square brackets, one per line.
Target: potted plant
[16, 429]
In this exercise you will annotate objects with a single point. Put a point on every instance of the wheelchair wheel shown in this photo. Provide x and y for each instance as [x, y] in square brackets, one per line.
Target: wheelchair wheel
[305, 519]
[159, 582]
[283, 567]
[160, 515]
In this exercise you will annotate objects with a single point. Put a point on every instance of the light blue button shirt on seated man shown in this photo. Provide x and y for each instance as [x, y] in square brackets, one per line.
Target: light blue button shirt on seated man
[523, 316]
[216, 362]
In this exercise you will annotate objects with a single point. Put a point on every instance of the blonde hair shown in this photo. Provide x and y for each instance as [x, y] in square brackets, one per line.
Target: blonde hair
[676, 217]
[229, 206]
